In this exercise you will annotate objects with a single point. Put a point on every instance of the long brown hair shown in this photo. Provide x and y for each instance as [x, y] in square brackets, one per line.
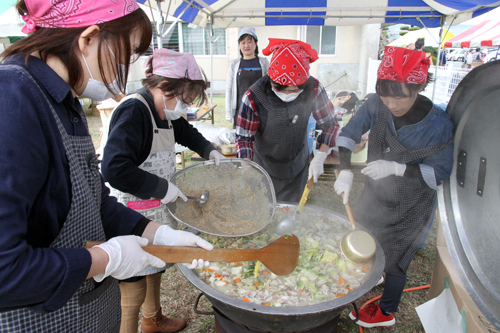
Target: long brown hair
[61, 42]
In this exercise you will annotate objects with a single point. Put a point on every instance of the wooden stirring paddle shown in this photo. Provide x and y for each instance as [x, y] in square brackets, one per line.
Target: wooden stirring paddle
[281, 256]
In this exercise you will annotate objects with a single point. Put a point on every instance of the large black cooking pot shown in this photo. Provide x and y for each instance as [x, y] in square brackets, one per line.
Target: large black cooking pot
[288, 319]
[469, 199]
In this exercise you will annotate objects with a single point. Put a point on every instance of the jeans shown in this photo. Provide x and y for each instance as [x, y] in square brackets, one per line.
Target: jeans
[393, 290]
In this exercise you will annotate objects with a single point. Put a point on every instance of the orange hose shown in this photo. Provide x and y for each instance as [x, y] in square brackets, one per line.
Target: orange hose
[379, 296]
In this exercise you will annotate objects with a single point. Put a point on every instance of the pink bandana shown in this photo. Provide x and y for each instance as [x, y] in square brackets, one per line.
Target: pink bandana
[290, 61]
[74, 13]
[403, 65]
[168, 63]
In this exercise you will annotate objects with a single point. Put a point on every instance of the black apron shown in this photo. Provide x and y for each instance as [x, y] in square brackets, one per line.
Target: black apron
[396, 210]
[281, 149]
[94, 307]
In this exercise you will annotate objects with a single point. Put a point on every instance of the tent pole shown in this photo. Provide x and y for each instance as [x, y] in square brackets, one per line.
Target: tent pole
[158, 36]
[441, 38]
[211, 35]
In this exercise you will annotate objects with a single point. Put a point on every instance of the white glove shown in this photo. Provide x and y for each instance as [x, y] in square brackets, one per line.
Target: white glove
[316, 166]
[344, 184]
[126, 257]
[170, 237]
[380, 169]
[173, 193]
[216, 156]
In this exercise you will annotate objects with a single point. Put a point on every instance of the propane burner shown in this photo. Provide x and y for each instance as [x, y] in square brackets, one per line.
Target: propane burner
[225, 325]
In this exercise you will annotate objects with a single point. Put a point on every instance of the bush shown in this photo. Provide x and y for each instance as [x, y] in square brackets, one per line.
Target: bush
[414, 28]
[402, 33]
[404, 27]
[430, 49]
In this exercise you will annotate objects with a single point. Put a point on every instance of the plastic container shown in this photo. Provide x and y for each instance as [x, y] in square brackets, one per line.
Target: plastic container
[311, 128]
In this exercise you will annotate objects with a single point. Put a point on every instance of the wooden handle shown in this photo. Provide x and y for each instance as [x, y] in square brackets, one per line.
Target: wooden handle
[180, 254]
[347, 206]
[281, 256]
[303, 199]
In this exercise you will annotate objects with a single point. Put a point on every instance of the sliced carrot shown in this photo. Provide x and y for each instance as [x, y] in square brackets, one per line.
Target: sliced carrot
[210, 269]
[341, 280]
[349, 288]
[246, 300]
[256, 284]
[266, 304]
[223, 280]
[266, 272]
[340, 295]
[364, 268]
[300, 290]
[285, 208]
[237, 280]
[216, 274]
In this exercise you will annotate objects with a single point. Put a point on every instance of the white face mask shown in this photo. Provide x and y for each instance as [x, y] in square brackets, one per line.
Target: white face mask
[287, 97]
[97, 90]
[177, 112]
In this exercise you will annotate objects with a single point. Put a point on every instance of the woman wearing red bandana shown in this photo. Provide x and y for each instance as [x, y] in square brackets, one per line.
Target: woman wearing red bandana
[410, 151]
[273, 117]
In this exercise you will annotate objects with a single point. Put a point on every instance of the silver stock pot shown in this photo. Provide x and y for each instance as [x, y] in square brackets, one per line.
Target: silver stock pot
[288, 319]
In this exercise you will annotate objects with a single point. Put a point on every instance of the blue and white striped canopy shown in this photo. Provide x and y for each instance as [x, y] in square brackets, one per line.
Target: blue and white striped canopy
[239, 13]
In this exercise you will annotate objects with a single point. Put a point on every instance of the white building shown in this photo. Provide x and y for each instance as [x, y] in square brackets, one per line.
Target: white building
[343, 52]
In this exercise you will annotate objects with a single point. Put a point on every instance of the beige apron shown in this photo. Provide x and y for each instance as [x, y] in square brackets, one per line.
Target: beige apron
[160, 162]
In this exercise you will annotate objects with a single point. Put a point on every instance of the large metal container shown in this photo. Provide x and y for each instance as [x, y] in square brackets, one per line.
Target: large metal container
[288, 319]
[469, 199]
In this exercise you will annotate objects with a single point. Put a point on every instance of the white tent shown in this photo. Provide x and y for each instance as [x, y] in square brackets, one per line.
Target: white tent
[431, 37]
[11, 23]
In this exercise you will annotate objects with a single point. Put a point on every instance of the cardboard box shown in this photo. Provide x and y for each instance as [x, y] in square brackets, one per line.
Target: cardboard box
[440, 240]
[444, 267]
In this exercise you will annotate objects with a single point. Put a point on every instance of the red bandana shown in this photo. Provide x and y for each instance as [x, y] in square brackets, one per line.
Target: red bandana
[290, 61]
[403, 65]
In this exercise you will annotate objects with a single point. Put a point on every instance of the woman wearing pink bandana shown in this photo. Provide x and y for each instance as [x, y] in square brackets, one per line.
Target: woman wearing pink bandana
[52, 196]
[139, 160]
[273, 117]
[410, 151]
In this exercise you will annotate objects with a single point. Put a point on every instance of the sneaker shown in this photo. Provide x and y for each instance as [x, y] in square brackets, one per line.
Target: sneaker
[380, 281]
[372, 316]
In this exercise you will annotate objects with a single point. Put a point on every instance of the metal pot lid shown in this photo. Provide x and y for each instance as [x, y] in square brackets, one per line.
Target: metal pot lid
[470, 199]
[241, 201]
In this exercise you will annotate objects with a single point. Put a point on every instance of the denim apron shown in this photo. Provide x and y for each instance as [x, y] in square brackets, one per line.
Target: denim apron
[95, 307]
[396, 210]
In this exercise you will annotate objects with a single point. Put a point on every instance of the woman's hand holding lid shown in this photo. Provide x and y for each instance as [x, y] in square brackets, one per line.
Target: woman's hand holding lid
[216, 156]
[173, 193]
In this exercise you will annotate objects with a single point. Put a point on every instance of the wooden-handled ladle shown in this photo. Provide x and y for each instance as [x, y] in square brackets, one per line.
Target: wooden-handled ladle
[357, 245]
[281, 256]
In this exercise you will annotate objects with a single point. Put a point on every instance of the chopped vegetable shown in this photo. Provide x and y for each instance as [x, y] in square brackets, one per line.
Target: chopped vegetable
[256, 271]
[322, 274]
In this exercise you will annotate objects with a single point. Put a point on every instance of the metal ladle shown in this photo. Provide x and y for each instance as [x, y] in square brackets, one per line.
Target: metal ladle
[357, 245]
[288, 225]
[202, 200]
